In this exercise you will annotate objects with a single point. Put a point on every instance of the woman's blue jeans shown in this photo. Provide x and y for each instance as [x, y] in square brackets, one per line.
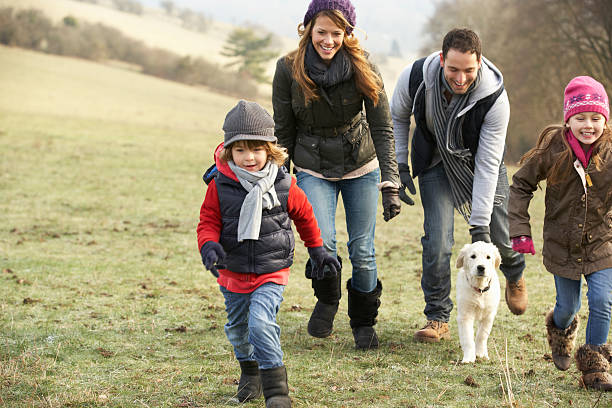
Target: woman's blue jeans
[438, 240]
[360, 198]
[599, 296]
[251, 324]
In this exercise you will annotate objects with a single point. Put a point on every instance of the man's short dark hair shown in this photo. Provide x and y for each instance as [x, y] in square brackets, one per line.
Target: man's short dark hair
[462, 39]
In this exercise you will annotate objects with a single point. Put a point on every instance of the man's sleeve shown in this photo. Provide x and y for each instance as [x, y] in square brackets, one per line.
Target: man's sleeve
[488, 159]
[401, 111]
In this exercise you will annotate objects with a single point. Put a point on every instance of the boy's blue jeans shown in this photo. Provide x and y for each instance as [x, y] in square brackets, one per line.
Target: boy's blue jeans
[599, 295]
[438, 240]
[251, 324]
[360, 198]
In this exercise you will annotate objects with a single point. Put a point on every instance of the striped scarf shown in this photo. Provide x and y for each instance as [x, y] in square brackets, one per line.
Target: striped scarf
[457, 160]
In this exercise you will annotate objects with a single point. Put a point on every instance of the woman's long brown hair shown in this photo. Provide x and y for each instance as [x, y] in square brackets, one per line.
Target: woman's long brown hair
[366, 80]
[564, 161]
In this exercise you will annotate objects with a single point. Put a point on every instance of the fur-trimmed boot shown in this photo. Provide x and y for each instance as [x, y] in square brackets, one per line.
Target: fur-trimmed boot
[561, 341]
[328, 292]
[363, 309]
[275, 388]
[594, 363]
[249, 386]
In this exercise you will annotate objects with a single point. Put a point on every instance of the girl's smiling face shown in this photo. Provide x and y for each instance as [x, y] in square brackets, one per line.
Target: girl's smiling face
[326, 38]
[587, 127]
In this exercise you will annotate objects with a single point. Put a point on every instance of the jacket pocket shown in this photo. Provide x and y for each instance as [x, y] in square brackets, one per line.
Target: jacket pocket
[307, 152]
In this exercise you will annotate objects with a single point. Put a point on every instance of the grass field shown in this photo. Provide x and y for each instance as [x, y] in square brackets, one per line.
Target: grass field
[103, 298]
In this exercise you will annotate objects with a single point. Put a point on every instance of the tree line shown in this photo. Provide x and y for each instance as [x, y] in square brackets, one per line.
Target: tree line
[539, 45]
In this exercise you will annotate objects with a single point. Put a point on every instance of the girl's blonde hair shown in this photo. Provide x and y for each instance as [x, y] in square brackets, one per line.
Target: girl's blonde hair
[564, 161]
[368, 82]
[276, 154]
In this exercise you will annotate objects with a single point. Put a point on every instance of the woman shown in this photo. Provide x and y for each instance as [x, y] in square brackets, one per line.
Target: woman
[319, 94]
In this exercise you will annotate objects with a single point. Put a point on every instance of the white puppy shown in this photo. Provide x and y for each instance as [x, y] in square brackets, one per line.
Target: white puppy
[477, 297]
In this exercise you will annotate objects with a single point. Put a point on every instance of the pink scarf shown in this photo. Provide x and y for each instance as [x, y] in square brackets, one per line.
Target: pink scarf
[577, 148]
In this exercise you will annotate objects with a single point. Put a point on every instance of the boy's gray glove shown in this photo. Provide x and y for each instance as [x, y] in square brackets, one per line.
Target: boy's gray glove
[321, 258]
[212, 256]
[407, 183]
[480, 233]
[391, 202]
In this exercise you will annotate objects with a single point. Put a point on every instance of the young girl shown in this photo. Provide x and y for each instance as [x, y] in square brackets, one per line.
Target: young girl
[246, 241]
[576, 161]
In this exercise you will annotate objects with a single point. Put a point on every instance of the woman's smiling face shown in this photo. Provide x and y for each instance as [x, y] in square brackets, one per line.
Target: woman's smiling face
[326, 38]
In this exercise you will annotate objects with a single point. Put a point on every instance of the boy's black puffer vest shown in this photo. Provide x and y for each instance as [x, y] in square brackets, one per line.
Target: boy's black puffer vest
[274, 248]
[423, 141]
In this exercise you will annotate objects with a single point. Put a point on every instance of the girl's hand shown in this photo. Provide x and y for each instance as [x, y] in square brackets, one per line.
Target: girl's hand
[523, 244]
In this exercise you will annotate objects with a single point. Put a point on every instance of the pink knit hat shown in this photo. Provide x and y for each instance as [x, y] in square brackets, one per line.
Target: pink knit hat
[584, 94]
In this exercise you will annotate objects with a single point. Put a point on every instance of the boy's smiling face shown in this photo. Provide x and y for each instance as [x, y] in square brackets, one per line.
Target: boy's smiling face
[250, 159]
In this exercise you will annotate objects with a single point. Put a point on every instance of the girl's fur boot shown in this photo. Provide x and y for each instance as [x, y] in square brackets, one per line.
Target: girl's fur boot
[362, 310]
[328, 292]
[561, 341]
[275, 388]
[249, 386]
[594, 363]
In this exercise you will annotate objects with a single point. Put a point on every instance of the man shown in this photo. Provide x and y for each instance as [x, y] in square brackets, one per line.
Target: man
[461, 112]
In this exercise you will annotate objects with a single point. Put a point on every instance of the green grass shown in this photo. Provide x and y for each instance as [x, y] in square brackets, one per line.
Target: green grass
[103, 298]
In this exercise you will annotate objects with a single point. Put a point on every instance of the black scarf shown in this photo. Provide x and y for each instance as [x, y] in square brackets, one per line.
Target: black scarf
[339, 70]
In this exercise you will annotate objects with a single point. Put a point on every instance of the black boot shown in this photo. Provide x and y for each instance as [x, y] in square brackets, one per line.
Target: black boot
[328, 292]
[249, 386]
[363, 309]
[275, 388]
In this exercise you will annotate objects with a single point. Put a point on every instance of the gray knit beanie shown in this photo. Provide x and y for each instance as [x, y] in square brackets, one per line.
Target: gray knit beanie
[248, 121]
[343, 6]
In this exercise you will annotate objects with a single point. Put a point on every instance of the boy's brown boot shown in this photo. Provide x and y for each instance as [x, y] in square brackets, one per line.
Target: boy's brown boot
[249, 386]
[594, 363]
[433, 332]
[516, 296]
[561, 341]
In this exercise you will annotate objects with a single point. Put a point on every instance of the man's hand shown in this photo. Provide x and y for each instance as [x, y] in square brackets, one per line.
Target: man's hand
[407, 183]
[480, 233]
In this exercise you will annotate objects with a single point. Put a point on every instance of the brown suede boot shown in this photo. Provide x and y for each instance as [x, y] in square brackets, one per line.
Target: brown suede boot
[593, 362]
[433, 332]
[561, 341]
[516, 296]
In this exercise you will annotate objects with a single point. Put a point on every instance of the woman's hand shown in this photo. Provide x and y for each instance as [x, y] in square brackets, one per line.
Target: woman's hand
[391, 202]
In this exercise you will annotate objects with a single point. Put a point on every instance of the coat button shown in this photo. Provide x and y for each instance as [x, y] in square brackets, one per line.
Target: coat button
[579, 260]
[577, 245]
[579, 225]
[590, 236]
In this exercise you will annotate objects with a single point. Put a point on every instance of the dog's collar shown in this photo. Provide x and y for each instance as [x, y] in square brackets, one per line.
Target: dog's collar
[478, 290]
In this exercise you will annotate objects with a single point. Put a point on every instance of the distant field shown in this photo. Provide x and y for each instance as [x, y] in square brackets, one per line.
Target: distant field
[103, 298]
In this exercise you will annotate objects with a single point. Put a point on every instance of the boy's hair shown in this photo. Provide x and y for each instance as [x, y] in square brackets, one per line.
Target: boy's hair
[462, 39]
[564, 161]
[276, 154]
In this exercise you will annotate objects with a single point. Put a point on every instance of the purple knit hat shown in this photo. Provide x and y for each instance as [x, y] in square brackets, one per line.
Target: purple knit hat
[343, 6]
[584, 94]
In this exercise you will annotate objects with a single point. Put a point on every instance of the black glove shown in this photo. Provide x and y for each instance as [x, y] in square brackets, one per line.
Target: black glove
[319, 259]
[480, 233]
[212, 255]
[391, 202]
[406, 178]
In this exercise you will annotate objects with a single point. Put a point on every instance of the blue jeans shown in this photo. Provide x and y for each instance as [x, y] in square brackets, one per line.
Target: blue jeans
[251, 324]
[438, 239]
[360, 198]
[599, 296]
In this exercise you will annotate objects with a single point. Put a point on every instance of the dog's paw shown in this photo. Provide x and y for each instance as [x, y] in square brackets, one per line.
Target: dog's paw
[468, 359]
[482, 355]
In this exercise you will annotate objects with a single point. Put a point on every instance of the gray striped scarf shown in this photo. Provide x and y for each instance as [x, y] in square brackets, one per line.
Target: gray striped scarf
[457, 160]
[261, 196]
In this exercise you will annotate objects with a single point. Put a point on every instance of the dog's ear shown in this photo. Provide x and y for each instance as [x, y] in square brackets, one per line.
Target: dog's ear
[459, 263]
[497, 258]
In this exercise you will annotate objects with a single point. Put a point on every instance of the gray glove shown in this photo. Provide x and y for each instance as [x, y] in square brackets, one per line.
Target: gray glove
[480, 233]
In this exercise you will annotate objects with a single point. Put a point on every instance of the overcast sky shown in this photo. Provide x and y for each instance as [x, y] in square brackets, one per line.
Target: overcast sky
[382, 20]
